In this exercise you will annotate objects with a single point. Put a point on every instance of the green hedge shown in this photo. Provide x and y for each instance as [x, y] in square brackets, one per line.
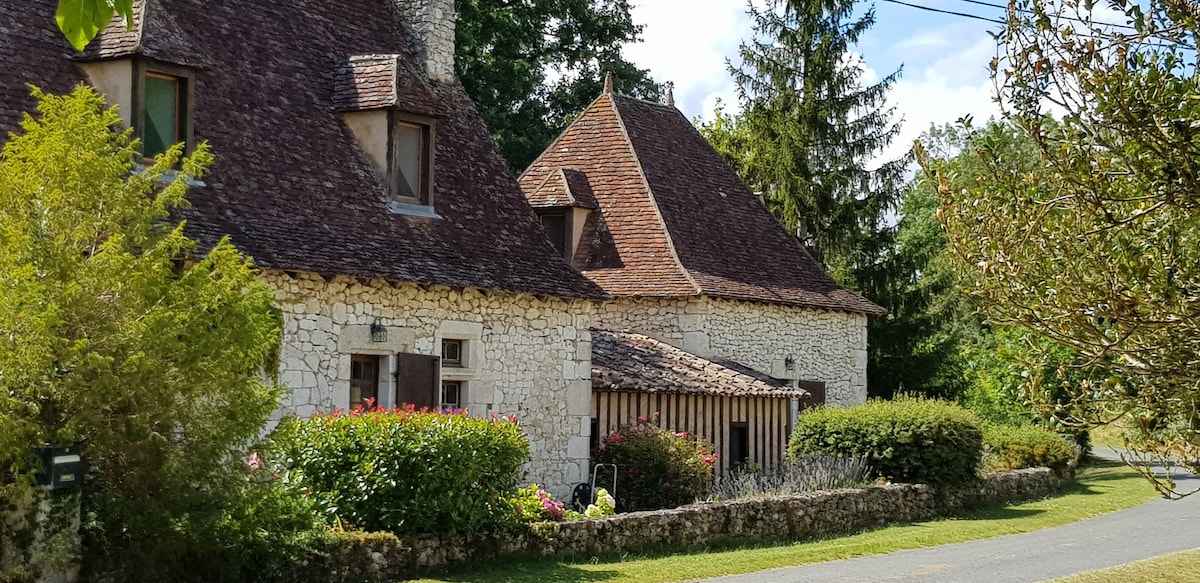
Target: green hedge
[1015, 447]
[906, 440]
[403, 471]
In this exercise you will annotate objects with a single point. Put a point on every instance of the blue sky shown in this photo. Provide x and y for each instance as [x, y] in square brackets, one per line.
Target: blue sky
[945, 57]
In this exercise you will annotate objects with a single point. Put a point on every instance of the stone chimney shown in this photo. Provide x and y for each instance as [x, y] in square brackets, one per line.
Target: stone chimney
[432, 25]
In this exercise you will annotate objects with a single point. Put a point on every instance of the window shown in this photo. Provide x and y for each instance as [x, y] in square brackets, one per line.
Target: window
[555, 225]
[452, 395]
[364, 380]
[164, 113]
[410, 171]
[452, 353]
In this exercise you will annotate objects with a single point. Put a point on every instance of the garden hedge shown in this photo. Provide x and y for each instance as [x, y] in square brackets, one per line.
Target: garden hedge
[906, 440]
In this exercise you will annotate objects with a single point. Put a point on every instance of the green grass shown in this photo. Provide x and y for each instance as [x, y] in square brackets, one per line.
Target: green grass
[1100, 489]
[1180, 567]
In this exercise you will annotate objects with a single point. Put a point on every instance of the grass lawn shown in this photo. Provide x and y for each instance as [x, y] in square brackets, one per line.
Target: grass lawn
[1100, 489]
[1181, 567]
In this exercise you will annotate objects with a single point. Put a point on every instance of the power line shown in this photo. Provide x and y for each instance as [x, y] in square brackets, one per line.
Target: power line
[1063, 16]
[950, 12]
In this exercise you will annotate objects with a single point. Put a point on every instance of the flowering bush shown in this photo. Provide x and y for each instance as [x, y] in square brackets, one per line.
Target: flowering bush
[534, 504]
[605, 505]
[657, 468]
[402, 470]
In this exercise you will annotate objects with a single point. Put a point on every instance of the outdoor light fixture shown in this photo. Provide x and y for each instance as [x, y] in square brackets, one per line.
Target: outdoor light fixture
[789, 363]
[378, 332]
[62, 467]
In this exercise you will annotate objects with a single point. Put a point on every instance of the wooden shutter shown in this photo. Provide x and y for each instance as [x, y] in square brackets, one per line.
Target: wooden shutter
[418, 379]
[816, 393]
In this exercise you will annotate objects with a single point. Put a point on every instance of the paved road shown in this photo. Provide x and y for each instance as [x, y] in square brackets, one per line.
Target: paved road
[1154, 528]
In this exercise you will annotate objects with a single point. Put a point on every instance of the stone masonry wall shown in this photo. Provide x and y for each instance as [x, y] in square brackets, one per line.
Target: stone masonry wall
[825, 346]
[523, 356]
[433, 23]
[383, 557]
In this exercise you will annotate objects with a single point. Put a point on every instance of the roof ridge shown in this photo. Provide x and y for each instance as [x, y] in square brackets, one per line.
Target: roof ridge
[637, 162]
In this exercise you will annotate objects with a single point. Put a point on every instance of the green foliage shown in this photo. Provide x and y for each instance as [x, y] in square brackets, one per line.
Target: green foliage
[505, 50]
[107, 341]
[404, 471]
[808, 130]
[1104, 256]
[1013, 447]
[81, 20]
[657, 468]
[906, 440]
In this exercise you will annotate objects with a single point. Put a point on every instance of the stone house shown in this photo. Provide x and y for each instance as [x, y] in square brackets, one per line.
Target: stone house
[355, 170]
[635, 199]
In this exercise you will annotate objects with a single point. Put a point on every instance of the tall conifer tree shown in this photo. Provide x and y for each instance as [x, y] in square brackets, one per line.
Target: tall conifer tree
[809, 130]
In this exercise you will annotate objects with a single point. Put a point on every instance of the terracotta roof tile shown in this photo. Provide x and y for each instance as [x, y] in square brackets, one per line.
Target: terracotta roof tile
[625, 249]
[628, 362]
[671, 207]
[291, 186]
[565, 187]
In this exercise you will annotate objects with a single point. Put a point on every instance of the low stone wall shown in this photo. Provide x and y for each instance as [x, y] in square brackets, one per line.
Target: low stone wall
[381, 556]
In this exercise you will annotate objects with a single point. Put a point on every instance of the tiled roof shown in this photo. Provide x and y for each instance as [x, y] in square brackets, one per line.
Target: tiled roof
[291, 185]
[628, 362]
[566, 187]
[154, 34]
[374, 81]
[675, 220]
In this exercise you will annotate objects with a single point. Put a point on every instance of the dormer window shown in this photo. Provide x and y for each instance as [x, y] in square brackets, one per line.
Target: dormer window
[411, 160]
[164, 107]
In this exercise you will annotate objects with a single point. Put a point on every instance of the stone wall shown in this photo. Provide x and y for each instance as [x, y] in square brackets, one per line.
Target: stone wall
[432, 23]
[830, 347]
[383, 557]
[524, 356]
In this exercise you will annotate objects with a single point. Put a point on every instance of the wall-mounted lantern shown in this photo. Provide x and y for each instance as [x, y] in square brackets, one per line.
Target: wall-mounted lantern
[378, 332]
[62, 467]
[789, 363]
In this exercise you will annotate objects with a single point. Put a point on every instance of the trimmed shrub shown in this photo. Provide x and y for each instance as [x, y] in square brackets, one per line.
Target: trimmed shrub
[405, 471]
[657, 468]
[1027, 446]
[906, 440]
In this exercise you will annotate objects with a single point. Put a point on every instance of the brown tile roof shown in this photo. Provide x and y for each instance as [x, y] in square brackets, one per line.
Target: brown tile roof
[381, 81]
[675, 220]
[566, 187]
[154, 34]
[628, 362]
[291, 185]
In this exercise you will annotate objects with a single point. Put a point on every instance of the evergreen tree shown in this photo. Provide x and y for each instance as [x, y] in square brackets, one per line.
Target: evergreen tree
[808, 135]
[810, 130]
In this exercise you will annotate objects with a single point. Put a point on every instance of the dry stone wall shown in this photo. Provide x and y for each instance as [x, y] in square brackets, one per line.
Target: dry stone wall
[383, 557]
[523, 356]
[830, 347]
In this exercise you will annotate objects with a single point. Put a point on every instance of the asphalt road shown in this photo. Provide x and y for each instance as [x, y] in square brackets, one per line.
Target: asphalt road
[1154, 528]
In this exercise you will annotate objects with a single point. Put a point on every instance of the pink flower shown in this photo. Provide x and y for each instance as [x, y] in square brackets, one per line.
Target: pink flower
[666, 485]
[255, 461]
[642, 419]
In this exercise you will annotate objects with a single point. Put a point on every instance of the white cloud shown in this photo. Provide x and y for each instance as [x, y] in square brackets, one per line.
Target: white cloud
[687, 43]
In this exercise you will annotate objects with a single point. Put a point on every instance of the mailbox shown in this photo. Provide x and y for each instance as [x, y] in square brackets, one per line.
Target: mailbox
[62, 467]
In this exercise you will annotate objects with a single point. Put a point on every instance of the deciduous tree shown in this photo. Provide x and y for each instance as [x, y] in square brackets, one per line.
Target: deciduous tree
[532, 66]
[116, 335]
[1097, 247]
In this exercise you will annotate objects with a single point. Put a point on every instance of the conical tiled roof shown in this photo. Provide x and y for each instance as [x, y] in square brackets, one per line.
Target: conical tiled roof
[674, 219]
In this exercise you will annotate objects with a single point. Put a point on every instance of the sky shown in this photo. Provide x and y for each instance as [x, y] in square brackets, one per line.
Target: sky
[944, 58]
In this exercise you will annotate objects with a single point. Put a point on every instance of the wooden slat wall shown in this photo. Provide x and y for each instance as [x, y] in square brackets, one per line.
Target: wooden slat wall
[708, 416]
